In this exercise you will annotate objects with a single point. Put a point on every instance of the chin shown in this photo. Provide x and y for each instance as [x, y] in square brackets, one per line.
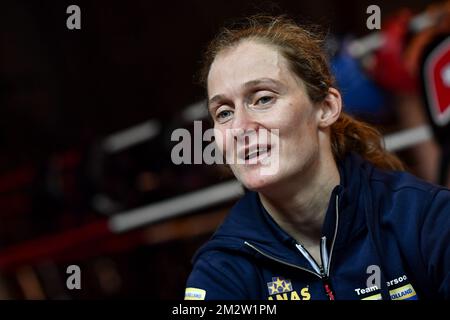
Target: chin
[256, 181]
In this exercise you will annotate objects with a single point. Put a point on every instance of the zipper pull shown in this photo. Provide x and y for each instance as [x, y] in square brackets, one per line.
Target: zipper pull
[327, 287]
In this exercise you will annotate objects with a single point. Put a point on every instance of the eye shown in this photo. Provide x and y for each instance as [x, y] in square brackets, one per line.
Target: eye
[224, 114]
[264, 100]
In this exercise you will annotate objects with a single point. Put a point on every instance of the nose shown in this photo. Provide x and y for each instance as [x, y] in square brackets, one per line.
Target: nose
[243, 122]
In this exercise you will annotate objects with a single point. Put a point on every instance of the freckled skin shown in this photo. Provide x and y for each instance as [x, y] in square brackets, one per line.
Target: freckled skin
[292, 112]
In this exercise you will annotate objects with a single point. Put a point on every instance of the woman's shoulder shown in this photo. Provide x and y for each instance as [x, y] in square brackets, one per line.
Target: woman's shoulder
[402, 181]
[404, 192]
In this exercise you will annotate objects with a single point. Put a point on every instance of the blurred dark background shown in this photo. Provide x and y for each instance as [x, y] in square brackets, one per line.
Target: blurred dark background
[65, 95]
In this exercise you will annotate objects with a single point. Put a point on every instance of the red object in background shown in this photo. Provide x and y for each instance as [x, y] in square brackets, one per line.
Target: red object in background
[389, 69]
[77, 241]
[437, 83]
[435, 76]
[17, 179]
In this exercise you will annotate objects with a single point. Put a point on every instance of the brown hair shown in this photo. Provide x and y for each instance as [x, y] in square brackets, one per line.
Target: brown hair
[303, 49]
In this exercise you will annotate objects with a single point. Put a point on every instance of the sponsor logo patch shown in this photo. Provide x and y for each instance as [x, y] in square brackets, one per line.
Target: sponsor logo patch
[194, 294]
[405, 292]
[279, 285]
[281, 289]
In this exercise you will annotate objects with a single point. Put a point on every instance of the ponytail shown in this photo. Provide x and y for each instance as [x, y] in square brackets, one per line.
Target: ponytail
[349, 134]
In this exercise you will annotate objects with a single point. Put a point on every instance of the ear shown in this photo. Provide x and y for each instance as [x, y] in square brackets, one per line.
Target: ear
[329, 109]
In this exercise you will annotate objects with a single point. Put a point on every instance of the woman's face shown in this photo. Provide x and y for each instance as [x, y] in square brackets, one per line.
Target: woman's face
[251, 90]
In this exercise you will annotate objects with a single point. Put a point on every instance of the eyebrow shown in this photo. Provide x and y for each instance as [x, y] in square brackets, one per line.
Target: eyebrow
[217, 97]
[254, 83]
[248, 84]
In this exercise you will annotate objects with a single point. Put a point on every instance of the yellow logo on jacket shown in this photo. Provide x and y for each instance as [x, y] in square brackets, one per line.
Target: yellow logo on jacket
[405, 292]
[281, 289]
[194, 294]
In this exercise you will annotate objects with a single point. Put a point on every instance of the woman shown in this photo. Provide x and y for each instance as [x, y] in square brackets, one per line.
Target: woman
[336, 220]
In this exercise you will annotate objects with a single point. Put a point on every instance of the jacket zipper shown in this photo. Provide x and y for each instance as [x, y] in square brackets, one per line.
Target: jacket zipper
[280, 261]
[324, 269]
[320, 272]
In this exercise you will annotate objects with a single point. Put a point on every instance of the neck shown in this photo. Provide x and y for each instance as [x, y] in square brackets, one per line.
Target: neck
[300, 208]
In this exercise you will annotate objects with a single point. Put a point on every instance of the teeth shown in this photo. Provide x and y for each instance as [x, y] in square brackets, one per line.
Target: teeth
[264, 149]
[252, 155]
[256, 153]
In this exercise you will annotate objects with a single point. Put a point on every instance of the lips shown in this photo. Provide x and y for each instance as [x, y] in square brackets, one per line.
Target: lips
[253, 151]
[256, 153]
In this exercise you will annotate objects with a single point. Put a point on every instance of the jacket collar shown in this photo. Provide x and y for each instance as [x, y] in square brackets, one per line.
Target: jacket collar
[249, 222]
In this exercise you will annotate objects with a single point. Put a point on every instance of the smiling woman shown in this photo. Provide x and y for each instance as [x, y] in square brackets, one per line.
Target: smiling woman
[335, 207]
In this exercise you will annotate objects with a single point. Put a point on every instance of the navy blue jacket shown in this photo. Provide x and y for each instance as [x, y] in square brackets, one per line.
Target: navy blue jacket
[386, 235]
